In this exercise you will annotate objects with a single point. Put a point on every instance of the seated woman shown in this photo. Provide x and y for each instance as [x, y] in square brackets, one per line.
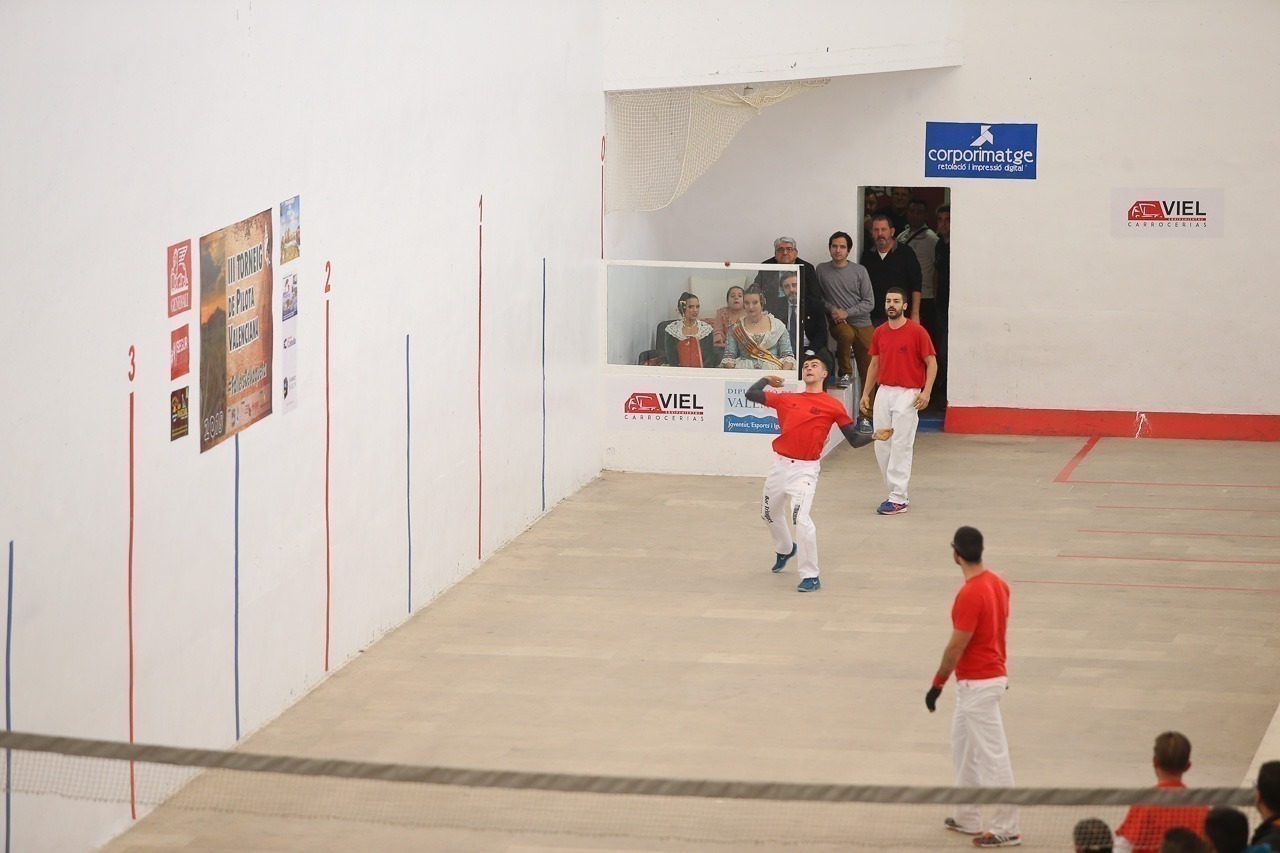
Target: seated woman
[687, 341]
[728, 315]
[758, 341]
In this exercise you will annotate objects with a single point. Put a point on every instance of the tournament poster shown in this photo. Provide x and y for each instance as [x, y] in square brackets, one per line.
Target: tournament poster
[235, 328]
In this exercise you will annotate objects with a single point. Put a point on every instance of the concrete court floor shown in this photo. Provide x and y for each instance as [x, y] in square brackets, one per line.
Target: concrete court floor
[637, 630]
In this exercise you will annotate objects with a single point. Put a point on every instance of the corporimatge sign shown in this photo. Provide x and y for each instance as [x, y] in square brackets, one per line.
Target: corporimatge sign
[976, 150]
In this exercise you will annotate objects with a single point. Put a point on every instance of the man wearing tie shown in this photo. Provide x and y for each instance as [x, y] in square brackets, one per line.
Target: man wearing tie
[806, 323]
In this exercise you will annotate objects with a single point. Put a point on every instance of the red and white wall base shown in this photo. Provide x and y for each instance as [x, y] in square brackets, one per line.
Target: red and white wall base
[995, 420]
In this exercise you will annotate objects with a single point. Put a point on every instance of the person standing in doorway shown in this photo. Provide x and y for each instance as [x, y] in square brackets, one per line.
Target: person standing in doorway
[941, 330]
[923, 242]
[890, 265]
[977, 654]
[903, 367]
[805, 419]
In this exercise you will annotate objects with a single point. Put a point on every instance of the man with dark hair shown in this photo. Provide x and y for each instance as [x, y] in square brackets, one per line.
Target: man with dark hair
[1266, 796]
[899, 199]
[1227, 829]
[901, 374]
[1179, 839]
[922, 240]
[1092, 835]
[890, 265]
[805, 420]
[846, 287]
[785, 252]
[1145, 825]
[976, 653]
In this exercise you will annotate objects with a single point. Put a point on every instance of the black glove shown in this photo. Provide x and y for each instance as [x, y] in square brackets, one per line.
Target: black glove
[931, 698]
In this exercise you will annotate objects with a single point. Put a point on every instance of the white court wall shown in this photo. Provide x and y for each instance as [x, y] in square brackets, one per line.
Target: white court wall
[132, 126]
[1048, 310]
[662, 43]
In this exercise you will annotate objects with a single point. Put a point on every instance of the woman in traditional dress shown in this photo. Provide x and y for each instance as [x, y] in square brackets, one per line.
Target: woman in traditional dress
[687, 341]
[758, 341]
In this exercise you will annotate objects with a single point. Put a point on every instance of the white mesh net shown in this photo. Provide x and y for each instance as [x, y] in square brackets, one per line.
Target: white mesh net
[662, 140]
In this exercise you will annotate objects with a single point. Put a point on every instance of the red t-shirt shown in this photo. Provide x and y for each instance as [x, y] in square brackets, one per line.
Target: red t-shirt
[1145, 826]
[806, 419]
[902, 353]
[982, 606]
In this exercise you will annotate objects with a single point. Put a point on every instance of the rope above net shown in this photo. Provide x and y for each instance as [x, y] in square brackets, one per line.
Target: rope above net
[661, 140]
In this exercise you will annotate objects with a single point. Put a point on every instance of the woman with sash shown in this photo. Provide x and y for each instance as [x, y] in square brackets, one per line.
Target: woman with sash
[758, 341]
[688, 341]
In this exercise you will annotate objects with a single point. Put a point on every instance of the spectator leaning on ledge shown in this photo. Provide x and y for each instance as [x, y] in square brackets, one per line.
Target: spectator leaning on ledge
[849, 299]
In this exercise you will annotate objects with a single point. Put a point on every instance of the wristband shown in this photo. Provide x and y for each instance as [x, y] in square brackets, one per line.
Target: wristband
[939, 682]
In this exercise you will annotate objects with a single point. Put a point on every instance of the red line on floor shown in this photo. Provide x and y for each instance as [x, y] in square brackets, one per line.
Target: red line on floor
[1170, 485]
[1173, 533]
[1065, 473]
[1169, 559]
[328, 549]
[1185, 508]
[1151, 586]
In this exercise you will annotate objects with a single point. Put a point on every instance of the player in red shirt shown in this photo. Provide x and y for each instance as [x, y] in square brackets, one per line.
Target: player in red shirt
[976, 653]
[904, 364]
[806, 419]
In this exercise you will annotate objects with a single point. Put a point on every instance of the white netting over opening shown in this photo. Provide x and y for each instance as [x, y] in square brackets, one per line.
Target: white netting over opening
[661, 140]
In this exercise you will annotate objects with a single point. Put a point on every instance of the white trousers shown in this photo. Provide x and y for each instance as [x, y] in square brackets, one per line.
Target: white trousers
[895, 407]
[980, 752]
[797, 479]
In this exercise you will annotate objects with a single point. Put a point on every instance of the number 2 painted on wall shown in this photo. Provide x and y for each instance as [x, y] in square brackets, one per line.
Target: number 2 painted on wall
[327, 272]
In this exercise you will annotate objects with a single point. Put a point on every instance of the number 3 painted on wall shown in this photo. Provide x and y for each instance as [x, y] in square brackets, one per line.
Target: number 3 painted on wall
[132, 365]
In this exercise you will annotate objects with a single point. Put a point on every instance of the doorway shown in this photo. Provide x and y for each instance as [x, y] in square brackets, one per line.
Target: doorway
[928, 236]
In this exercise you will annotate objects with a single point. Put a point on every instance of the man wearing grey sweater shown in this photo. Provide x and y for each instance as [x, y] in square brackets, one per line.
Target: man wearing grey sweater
[849, 300]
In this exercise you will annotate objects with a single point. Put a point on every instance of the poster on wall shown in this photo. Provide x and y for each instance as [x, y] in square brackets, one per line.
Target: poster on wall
[180, 351]
[647, 403]
[178, 413]
[954, 149]
[290, 231]
[1168, 212]
[235, 328]
[289, 334]
[178, 262]
[743, 417]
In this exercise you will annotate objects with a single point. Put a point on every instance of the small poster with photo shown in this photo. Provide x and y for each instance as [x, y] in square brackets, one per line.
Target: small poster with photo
[179, 416]
[289, 296]
[289, 339]
[290, 231]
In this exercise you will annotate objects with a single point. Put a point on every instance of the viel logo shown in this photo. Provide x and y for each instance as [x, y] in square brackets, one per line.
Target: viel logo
[650, 403]
[1163, 211]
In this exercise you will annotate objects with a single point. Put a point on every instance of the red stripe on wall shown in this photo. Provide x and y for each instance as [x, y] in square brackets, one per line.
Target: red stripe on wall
[133, 799]
[995, 420]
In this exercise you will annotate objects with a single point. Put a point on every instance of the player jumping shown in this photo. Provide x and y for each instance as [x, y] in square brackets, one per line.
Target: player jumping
[806, 419]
